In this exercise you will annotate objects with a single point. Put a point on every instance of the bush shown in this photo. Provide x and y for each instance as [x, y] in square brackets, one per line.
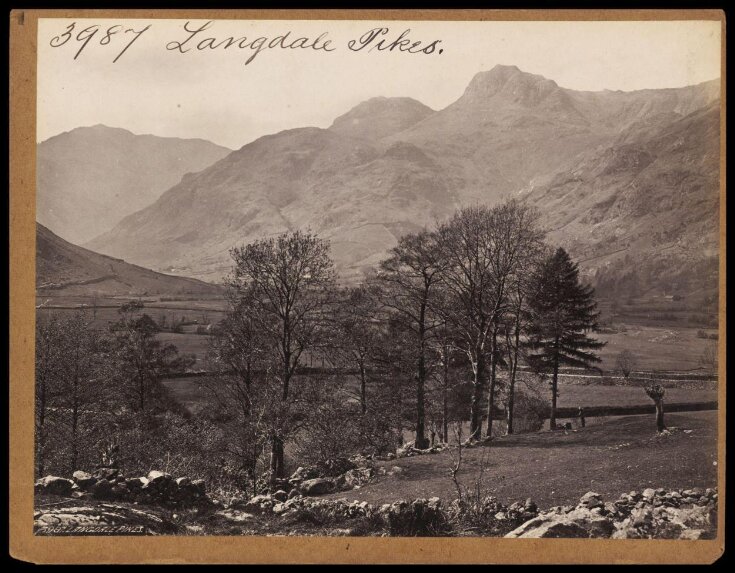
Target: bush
[529, 412]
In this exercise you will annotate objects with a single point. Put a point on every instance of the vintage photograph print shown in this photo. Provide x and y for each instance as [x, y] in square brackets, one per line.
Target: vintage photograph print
[378, 278]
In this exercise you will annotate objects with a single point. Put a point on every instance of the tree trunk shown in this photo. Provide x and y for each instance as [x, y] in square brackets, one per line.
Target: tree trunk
[421, 442]
[478, 387]
[552, 420]
[660, 426]
[493, 370]
[445, 397]
[512, 383]
[277, 469]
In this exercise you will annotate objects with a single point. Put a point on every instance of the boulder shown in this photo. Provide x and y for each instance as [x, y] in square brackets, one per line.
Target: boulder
[54, 485]
[649, 493]
[102, 490]
[183, 482]
[136, 484]
[200, 487]
[304, 473]
[317, 486]
[580, 522]
[280, 495]
[259, 503]
[156, 478]
[358, 476]
[83, 479]
[591, 499]
[101, 515]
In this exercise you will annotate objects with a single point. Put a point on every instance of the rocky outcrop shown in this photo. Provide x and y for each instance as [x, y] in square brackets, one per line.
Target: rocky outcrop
[100, 519]
[652, 513]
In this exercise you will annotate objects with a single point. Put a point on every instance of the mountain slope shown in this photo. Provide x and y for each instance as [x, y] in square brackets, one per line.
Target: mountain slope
[91, 177]
[64, 268]
[359, 195]
[390, 165]
[642, 212]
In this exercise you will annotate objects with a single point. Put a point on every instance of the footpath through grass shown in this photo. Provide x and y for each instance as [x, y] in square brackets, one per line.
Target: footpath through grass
[556, 468]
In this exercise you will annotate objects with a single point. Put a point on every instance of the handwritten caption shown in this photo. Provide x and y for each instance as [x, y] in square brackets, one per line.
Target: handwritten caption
[200, 37]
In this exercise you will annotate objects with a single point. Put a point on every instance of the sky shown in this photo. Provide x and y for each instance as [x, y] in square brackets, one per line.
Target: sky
[213, 94]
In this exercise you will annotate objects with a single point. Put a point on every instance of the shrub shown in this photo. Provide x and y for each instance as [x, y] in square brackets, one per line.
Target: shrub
[529, 412]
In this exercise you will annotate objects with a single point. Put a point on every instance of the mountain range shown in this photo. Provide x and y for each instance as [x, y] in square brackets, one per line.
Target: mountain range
[89, 178]
[624, 180]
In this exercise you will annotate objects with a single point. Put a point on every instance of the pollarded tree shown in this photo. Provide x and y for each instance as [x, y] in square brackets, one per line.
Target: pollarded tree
[562, 311]
[287, 287]
[656, 393]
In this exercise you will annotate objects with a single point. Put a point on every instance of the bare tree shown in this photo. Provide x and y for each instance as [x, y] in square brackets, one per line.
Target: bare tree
[626, 362]
[483, 249]
[709, 357]
[410, 276]
[287, 286]
[358, 332]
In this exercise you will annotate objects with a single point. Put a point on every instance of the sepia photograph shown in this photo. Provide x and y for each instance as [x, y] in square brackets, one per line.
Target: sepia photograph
[378, 278]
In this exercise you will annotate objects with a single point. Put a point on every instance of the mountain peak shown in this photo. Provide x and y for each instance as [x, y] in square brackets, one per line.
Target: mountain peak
[510, 83]
[379, 117]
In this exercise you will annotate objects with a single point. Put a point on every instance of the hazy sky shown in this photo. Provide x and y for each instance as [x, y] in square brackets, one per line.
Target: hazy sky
[212, 94]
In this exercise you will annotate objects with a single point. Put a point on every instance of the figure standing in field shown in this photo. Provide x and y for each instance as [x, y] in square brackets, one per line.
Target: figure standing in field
[581, 417]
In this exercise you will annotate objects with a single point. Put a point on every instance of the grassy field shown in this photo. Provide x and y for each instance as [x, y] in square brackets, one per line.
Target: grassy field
[666, 348]
[571, 395]
[556, 468]
[655, 346]
[192, 394]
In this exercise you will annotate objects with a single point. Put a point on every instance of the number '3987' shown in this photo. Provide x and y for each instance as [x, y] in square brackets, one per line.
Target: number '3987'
[114, 35]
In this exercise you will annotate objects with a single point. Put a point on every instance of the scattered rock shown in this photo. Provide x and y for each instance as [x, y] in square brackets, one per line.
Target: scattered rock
[656, 513]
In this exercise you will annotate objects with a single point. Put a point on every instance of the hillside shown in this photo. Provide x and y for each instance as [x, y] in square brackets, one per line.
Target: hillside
[91, 177]
[391, 165]
[66, 269]
[642, 212]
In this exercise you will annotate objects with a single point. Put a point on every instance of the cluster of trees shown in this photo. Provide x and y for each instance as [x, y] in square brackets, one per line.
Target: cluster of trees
[442, 326]
[443, 331]
[95, 386]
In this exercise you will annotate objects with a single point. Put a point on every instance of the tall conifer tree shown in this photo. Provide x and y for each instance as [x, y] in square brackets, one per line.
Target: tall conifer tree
[562, 312]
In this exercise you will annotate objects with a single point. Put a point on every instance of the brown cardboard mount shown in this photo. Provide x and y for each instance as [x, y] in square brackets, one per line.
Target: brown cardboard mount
[27, 547]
